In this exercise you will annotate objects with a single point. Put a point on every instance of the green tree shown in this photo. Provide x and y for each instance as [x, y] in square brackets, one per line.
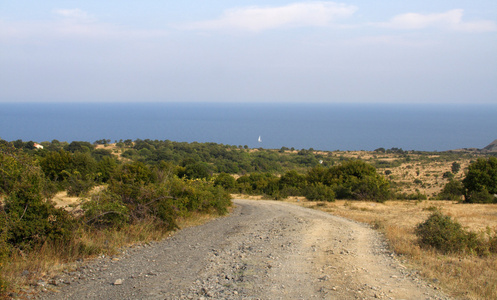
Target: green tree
[292, 179]
[453, 190]
[106, 167]
[79, 147]
[353, 179]
[225, 180]
[448, 175]
[481, 180]
[195, 170]
[455, 167]
[57, 165]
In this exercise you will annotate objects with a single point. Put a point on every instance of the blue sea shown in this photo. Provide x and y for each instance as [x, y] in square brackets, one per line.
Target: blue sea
[424, 127]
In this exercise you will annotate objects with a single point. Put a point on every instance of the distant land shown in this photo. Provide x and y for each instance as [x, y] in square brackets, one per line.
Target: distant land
[492, 147]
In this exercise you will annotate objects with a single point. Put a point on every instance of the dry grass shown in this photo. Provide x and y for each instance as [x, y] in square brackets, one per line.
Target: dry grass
[462, 276]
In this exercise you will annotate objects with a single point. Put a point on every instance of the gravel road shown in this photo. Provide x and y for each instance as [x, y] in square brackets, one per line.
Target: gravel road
[263, 250]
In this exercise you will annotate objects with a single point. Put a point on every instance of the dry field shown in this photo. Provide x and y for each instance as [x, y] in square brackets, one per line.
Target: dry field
[461, 276]
[423, 173]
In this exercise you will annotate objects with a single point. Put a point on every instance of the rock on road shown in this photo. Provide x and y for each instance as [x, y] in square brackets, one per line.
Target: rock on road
[263, 250]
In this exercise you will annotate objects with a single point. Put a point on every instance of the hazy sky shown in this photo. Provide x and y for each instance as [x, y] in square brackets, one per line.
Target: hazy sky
[248, 51]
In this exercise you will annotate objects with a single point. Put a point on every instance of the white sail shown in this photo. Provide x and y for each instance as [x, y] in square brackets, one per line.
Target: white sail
[259, 140]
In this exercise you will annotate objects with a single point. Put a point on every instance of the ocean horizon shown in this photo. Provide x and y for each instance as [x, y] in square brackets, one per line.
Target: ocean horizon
[332, 126]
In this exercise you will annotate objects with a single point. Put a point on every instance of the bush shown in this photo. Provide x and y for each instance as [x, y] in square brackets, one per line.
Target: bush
[482, 196]
[4, 245]
[413, 196]
[33, 221]
[79, 185]
[481, 180]
[352, 179]
[319, 192]
[259, 183]
[105, 209]
[447, 236]
[453, 190]
[448, 175]
[226, 181]
[30, 219]
[442, 233]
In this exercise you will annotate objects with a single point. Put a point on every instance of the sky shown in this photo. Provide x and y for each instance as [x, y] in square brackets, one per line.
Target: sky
[385, 51]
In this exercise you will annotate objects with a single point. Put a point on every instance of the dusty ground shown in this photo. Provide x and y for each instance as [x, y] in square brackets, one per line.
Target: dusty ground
[263, 250]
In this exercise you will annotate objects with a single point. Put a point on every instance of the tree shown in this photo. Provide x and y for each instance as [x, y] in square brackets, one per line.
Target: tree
[102, 142]
[292, 179]
[352, 179]
[453, 190]
[79, 147]
[128, 143]
[57, 165]
[225, 180]
[481, 181]
[456, 167]
[448, 175]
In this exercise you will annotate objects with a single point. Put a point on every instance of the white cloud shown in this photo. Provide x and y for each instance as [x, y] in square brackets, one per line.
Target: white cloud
[316, 13]
[72, 23]
[450, 20]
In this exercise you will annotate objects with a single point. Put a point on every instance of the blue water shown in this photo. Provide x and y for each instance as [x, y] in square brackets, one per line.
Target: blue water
[302, 126]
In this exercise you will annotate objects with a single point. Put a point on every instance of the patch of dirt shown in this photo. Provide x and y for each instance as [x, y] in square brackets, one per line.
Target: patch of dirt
[62, 200]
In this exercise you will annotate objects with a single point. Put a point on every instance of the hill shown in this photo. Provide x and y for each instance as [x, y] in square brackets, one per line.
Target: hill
[492, 147]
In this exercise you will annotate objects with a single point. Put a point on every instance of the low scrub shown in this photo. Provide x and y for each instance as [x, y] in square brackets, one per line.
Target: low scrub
[448, 236]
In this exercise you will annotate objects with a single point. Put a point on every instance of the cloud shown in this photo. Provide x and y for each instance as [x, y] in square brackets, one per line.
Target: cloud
[450, 20]
[72, 23]
[304, 14]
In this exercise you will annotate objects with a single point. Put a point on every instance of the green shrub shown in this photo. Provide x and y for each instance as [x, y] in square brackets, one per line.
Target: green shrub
[352, 179]
[79, 185]
[105, 209]
[442, 233]
[30, 219]
[226, 181]
[412, 196]
[448, 175]
[481, 196]
[319, 192]
[453, 190]
[33, 221]
[481, 181]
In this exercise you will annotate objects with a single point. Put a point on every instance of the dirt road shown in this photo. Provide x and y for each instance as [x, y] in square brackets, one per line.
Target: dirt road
[263, 250]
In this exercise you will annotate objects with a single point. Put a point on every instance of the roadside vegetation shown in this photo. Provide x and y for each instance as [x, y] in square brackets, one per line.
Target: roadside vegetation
[64, 202]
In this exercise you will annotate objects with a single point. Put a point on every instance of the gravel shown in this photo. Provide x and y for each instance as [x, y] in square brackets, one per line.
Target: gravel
[263, 250]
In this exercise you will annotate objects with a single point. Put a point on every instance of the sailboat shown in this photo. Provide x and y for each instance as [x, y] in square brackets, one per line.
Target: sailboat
[259, 140]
